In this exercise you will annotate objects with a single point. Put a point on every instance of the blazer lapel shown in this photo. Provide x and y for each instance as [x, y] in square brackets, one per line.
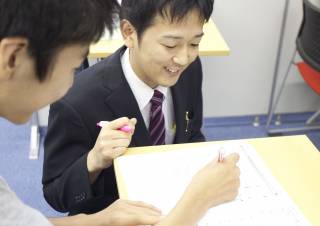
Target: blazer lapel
[121, 101]
[123, 104]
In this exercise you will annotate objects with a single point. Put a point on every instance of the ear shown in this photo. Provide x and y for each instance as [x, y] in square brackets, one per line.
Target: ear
[128, 32]
[11, 52]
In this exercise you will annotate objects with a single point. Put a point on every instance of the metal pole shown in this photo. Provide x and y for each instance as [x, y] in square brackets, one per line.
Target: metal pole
[279, 53]
[275, 104]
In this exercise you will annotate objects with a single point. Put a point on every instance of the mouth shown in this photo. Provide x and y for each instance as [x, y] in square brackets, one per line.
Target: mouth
[173, 71]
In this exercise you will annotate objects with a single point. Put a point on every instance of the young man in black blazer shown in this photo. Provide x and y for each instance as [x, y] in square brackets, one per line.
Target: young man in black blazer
[160, 53]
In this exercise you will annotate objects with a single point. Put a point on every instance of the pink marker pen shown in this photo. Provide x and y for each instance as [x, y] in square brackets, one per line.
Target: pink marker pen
[125, 128]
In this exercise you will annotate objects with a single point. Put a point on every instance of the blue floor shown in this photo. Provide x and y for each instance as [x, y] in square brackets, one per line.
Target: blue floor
[24, 175]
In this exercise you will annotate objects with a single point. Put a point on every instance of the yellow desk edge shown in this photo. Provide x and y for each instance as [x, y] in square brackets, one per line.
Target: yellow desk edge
[304, 164]
[212, 44]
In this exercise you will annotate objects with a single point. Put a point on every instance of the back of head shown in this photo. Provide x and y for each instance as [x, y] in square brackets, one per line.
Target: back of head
[141, 13]
[50, 25]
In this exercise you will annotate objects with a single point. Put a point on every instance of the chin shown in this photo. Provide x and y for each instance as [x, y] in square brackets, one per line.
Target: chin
[170, 82]
[20, 119]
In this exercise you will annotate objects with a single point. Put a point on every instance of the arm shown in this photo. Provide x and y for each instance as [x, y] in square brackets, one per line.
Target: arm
[110, 144]
[120, 213]
[71, 169]
[213, 185]
[65, 158]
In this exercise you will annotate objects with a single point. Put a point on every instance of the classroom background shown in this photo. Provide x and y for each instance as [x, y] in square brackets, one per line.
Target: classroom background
[236, 90]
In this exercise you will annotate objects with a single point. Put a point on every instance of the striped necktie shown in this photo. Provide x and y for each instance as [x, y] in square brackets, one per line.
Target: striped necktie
[157, 130]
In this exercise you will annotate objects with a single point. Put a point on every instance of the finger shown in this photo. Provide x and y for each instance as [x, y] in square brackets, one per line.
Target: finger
[232, 158]
[136, 210]
[144, 219]
[108, 152]
[120, 143]
[108, 134]
[106, 144]
[119, 150]
[118, 123]
[143, 205]
[211, 163]
[132, 124]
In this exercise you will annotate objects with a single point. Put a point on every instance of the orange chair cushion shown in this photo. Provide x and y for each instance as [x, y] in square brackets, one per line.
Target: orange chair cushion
[311, 76]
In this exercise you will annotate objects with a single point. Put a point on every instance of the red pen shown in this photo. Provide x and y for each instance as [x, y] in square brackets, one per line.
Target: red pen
[220, 155]
[125, 128]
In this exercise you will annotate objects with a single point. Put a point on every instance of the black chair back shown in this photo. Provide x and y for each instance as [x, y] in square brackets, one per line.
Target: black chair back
[308, 40]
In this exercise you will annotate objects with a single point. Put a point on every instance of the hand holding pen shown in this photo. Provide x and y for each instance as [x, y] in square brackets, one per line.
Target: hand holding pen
[216, 183]
[113, 140]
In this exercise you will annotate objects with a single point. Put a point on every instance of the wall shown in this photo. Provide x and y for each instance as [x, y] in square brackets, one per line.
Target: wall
[240, 84]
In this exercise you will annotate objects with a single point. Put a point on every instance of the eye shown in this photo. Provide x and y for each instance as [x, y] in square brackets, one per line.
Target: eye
[169, 47]
[195, 45]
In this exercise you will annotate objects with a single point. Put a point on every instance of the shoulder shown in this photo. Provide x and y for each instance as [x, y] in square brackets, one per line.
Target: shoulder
[14, 212]
[96, 81]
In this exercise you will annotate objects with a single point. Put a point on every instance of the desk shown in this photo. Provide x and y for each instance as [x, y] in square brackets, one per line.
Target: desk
[211, 44]
[293, 160]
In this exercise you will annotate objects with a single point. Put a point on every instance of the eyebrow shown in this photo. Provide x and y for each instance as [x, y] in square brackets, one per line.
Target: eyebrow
[179, 37]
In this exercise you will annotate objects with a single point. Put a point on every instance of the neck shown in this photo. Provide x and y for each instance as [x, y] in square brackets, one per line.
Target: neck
[135, 67]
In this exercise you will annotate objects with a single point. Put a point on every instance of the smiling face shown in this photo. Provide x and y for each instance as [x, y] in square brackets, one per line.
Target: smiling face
[21, 93]
[165, 49]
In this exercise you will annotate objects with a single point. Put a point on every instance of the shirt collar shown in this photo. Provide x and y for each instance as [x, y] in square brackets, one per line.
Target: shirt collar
[142, 92]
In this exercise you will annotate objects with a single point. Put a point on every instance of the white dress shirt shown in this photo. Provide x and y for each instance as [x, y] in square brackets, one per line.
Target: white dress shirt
[143, 94]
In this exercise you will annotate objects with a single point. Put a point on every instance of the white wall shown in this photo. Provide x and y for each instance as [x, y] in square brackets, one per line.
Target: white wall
[240, 84]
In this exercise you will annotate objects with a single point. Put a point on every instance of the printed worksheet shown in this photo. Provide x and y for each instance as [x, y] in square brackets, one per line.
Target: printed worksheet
[160, 179]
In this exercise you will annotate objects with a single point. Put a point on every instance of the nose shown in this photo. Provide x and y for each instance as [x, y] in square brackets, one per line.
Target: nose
[182, 57]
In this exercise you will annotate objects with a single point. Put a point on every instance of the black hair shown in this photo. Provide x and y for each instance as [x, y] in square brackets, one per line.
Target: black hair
[50, 25]
[141, 13]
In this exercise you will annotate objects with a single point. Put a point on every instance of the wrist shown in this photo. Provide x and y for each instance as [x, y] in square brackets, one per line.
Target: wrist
[197, 198]
[92, 164]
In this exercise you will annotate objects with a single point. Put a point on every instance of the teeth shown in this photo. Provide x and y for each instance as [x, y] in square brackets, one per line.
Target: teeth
[173, 70]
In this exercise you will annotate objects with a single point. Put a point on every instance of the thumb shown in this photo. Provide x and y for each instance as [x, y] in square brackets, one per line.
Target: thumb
[133, 121]
[232, 158]
[146, 219]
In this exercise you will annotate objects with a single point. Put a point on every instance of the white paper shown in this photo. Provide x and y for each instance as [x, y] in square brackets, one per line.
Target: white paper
[161, 178]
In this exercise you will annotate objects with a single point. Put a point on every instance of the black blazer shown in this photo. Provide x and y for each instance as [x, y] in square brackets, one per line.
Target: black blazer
[101, 93]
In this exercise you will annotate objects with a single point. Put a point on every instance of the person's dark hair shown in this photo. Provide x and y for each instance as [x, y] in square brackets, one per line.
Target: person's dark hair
[49, 25]
[141, 13]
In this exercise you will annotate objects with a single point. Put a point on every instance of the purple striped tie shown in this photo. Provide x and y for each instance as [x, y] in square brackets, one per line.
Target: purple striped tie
[156, 127]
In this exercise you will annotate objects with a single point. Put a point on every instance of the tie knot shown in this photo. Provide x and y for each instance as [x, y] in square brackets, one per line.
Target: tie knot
[157, 98]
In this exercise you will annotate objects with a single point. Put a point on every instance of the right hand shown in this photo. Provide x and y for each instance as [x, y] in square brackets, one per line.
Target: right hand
[217, 182]
[110, 144]
[128, 213]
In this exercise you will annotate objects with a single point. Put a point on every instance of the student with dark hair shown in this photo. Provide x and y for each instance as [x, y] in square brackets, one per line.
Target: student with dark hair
[41, 43]
[159, 62]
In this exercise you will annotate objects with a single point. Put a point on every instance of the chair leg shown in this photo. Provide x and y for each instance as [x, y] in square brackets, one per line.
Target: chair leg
[34, 137]
[313, 118]
[275, 104]
[277, 132]
[310, 126]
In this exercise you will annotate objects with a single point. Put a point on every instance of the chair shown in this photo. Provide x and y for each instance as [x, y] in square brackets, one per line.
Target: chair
[308, 46]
